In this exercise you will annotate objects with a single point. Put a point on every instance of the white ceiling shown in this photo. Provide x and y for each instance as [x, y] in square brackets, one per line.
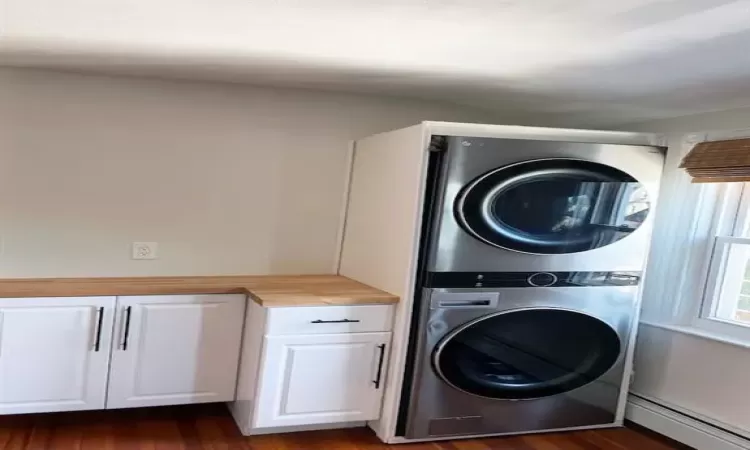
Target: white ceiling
[585, 61]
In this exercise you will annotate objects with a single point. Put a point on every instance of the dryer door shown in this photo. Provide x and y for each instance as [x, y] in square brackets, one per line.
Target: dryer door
[552, 206]
[526, 353]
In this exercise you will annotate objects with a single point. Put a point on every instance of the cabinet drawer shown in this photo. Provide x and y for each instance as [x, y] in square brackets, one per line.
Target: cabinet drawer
[329, 319]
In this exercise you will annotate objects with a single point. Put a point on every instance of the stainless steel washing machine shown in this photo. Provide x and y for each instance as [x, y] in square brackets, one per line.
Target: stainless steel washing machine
[509, 205]
[521, 359]
[531, 254]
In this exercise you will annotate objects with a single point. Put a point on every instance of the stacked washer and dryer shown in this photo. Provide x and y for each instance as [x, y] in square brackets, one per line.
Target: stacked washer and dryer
[532, 255]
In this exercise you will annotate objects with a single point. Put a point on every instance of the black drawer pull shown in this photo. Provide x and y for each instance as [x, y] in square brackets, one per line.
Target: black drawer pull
[379, 376]
[127, 328]
[98, 340]
[335, 321]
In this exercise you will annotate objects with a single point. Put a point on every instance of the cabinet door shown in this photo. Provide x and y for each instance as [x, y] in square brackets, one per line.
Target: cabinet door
[323, 378]
[175, 349]
[54, 353]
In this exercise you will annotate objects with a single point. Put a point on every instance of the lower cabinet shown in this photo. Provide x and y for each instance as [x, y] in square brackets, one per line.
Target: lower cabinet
[326, 378]
[57, 354]
[175, 349]
[304, 367]
[54, 353]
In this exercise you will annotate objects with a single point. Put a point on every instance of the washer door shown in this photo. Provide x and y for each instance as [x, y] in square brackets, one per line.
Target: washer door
[552, 206]
[526, 354]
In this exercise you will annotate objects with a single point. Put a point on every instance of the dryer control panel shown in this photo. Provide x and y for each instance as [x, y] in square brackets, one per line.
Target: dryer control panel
[530, 279]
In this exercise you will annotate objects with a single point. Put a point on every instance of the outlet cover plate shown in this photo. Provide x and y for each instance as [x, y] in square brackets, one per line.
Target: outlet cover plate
[145, 250]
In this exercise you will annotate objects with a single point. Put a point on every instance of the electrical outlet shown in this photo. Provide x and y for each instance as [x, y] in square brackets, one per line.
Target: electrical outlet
[145, 250]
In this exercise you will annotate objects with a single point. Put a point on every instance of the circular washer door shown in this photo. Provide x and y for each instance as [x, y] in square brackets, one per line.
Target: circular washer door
[526, 354]
[552, 206]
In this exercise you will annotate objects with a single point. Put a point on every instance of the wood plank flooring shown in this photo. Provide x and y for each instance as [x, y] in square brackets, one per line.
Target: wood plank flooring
[209, 427]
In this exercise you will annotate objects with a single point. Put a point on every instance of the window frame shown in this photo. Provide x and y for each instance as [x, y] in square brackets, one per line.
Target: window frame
[730, 226]
[687, 222]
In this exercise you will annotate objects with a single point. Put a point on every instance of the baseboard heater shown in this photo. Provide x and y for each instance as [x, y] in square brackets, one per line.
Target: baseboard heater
[682, 428]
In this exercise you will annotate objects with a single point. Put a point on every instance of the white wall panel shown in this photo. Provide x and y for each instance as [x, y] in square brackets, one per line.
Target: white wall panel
[695, 374]
[228, 179]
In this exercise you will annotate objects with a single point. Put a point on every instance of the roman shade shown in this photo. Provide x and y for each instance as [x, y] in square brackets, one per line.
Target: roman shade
[719, 161]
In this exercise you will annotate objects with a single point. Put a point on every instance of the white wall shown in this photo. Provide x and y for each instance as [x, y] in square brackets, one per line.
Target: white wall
[227, 179]
[733, 119]
[699, 375]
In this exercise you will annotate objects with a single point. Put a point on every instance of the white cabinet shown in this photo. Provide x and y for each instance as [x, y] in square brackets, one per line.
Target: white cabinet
[54, 353]
[325, 378]
[303, 367]
[175, 349]
[71, 353]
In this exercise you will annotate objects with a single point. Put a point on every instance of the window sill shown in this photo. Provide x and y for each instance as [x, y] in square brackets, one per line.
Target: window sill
[697, 332]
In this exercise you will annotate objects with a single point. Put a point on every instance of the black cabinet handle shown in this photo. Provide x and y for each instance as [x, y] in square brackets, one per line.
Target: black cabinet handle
[335, 321]
[379, 375]
[127, 328]
[98, 340]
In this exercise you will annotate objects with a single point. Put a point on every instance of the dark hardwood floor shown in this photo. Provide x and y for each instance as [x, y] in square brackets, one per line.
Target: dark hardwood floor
[209, 427]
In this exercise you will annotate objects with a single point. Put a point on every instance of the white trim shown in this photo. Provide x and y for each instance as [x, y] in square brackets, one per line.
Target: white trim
[724, 135]
[743, 208]
[734, 239]
[722, 289]
[698, 332]
[744, 434]
[724, 330]
[385, 428]
[720, 278]
[297, 428]
[344, 206]
[700, 246]
[402, 440]
[543, 134]
[682, 428]
[628, 372]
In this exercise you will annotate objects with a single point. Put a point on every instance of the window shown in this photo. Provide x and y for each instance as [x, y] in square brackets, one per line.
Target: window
[698, 275]
[726, 297]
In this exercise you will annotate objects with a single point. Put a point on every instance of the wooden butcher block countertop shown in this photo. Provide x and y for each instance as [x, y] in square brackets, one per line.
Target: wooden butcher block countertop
[266, 290]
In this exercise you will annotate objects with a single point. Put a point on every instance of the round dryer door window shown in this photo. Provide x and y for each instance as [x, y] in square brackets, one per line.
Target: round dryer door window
[552, 206]
[526, 354]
